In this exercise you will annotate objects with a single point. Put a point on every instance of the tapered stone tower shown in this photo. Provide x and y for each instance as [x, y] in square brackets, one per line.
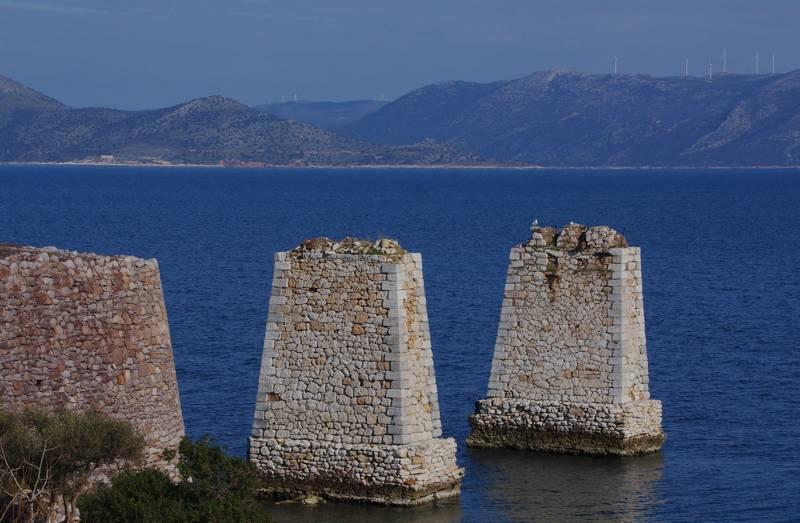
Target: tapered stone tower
[347, 405]
[81, 331]
[569, 372]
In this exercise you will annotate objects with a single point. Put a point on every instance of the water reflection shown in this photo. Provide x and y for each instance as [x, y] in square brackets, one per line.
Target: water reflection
[447, 511]
[507, 485]
[526, 486]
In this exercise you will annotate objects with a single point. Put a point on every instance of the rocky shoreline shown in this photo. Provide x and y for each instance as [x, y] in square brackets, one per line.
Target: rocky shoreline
[479, 166]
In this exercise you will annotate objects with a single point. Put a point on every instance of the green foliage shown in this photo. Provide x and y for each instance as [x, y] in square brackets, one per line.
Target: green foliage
[146, 495]
[213, 472]
[24, 471]
[214, 487]
[85, 441]
[168, 454]
[44, 456]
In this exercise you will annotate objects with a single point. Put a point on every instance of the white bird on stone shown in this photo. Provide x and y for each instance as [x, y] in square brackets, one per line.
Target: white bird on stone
[535, 222]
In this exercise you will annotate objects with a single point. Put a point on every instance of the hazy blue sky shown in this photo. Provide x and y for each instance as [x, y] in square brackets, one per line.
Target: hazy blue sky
[150, 53]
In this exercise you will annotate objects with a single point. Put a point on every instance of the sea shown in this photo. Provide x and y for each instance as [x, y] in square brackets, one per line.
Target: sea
[721, 267]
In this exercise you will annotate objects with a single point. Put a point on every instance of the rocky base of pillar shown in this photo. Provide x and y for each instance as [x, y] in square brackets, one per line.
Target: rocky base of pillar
[411, 474]
[569, 428]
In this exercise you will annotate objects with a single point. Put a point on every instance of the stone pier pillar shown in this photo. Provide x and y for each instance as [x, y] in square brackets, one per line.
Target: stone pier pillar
[347, 406]
[569, 372]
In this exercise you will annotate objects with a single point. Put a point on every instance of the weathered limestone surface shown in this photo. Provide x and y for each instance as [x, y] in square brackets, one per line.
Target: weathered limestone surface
[85, 331]
[569, 372]
[347, 406]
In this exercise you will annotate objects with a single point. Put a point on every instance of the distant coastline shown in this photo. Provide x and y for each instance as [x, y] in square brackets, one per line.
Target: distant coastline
[488, 166]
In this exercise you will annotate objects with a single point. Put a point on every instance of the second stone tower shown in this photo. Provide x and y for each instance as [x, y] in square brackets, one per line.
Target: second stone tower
[347, 406]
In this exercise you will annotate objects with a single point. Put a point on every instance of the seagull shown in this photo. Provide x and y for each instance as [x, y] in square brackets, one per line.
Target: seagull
[535, 222]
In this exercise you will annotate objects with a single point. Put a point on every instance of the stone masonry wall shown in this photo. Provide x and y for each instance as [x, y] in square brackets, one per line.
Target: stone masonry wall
[571, 339]
[85, 331]
[347, 404]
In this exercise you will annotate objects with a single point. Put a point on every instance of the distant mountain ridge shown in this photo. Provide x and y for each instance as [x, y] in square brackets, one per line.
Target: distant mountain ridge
[327, 115]
[552, 118]
[211, 130]
[557, 118]
[15, 96]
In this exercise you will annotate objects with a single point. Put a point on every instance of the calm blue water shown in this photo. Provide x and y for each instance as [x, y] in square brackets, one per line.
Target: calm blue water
[722, 296]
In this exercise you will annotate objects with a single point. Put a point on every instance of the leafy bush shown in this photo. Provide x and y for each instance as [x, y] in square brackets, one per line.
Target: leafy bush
[47, 458]
[214, 487]
[142, 495]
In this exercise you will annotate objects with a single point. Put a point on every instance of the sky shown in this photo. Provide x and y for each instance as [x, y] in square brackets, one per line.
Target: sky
[139, 54]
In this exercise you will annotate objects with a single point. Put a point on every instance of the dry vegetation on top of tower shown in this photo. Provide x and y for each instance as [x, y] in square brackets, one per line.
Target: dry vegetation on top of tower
[327, 246]
[575, 237]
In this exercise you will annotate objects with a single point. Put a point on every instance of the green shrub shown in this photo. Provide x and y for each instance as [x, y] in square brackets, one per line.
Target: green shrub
[46, 457]
[214, 487]
[144, 495]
